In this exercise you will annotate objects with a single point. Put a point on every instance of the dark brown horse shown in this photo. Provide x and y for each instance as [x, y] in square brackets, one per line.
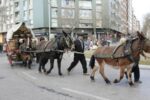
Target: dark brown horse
[103, 55]
[54, 49]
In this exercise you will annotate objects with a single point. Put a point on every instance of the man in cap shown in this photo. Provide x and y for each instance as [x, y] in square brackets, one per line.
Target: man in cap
[79, 55]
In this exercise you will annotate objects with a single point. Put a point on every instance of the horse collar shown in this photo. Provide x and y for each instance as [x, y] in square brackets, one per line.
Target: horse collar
[141, 46]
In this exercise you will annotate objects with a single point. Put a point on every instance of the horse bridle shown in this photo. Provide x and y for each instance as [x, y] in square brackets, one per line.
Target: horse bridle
[67, 40]
[141, 45]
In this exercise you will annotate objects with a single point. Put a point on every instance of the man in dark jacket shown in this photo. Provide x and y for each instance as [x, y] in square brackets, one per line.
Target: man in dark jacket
[79, 47]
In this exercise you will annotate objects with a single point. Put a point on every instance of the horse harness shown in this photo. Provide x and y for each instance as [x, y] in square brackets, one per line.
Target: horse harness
[128, 51]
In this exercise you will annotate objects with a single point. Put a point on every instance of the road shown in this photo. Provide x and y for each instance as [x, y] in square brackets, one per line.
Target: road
[20, 83]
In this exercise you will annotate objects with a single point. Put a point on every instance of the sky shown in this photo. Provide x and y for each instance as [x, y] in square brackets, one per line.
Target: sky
[141, 8]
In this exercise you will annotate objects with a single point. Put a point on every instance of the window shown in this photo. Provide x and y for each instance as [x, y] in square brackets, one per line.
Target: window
[85, 14]
[16, 4]
[98, 23]
[68, 3]
[98, 15]
[30, 3]
[98, 8]
[54, 3]
[11, 18]
[25, 4]
[25, 15]
[67, 22]
[16, 14]
[54, 23]
[54, 12]
[30, 14]
[85, 25]
[98, 1]
[31, 22]
[67, 13]
[85, 4]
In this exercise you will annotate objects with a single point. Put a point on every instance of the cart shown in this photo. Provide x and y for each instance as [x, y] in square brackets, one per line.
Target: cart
[14, 38]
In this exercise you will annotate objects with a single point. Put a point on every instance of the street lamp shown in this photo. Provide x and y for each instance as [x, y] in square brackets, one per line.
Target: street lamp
[49, 17]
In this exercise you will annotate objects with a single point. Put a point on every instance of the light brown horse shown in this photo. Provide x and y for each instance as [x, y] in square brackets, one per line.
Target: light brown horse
[121, 61]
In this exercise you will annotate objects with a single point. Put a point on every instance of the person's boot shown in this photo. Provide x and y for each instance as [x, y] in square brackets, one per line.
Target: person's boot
[138, 81]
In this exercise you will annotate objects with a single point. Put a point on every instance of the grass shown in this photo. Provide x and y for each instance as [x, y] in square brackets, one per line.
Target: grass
[143, 61]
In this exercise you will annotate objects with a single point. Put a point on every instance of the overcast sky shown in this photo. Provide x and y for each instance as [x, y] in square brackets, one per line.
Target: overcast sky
[141, 7]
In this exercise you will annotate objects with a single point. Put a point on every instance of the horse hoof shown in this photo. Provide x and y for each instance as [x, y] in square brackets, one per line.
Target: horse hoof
[40, 71]
[29, 67]
[44, 71]
[92, 78]
[116, 81]
[107, 81]
[131, 83]
[60, 74]
[47, 72]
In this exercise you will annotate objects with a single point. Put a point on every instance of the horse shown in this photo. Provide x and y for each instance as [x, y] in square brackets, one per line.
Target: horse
[54, 49]
[120, 60]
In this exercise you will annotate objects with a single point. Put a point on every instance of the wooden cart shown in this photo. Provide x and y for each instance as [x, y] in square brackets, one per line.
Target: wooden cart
[14, 36]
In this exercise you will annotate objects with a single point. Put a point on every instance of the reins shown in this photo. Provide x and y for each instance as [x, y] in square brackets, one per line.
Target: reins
[49, 50]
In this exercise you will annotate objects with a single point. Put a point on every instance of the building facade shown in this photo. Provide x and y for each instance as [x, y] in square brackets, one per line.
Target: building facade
[90, 16]
[135, 24]
[32, 12]
[130, 16]
[104, 18]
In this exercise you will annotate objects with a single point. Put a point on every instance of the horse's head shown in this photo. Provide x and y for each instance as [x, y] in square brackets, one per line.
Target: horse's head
[67, 40]
[146, 44]
[143, 43]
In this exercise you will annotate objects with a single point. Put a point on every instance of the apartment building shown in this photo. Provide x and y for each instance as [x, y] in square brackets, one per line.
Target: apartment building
[109, 17]
[135, 24]
[90, 16]
[130, 16]
[33, 12]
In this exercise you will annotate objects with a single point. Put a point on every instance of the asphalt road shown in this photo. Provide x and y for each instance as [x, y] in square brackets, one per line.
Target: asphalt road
[20, 83]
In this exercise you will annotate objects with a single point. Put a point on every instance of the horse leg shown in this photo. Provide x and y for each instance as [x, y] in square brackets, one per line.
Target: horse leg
[129, 73]
[38, 57]
[101, 71]
[51, 66]
[93, 67]
[25, 62]
[45, 60]
[93, 73]
[59, 66]
[29, 62]
[40, 64]
[122, 71]
[43, 68]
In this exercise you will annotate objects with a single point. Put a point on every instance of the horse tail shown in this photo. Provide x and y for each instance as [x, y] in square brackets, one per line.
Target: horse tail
[92, 62]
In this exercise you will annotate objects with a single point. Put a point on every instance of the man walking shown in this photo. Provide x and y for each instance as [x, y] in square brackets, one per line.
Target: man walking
[79, 47]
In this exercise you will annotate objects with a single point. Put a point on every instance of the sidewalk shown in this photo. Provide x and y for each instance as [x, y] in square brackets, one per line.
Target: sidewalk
[145, 67]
